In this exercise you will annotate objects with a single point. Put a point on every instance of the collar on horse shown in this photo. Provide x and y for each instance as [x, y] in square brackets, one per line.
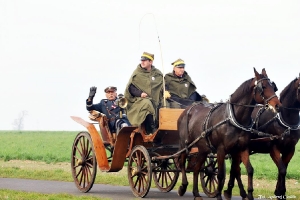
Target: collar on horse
[265, 136]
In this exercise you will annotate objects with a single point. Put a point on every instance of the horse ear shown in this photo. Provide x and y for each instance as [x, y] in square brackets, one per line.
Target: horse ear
[256, 73]
[264, 72]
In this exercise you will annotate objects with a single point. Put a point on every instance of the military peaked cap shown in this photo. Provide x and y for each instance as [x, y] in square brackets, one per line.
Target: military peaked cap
[147, 56]
[110, 88]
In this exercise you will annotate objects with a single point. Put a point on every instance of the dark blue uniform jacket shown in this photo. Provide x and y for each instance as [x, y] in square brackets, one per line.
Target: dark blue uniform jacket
[107, 107]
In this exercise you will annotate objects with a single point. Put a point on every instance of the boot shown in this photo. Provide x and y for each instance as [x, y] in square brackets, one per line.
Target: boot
[150, 124]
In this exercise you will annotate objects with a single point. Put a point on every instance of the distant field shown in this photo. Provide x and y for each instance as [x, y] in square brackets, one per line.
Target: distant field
[55, 146]
[47, 146]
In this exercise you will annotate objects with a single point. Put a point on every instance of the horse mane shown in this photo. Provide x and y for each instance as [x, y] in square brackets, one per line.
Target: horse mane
[242, 89]
[286, 94]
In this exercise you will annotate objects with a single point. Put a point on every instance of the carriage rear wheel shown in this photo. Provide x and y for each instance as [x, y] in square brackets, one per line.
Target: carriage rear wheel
[83, 162]
[139, 171]
[165, 174]
[208, 176]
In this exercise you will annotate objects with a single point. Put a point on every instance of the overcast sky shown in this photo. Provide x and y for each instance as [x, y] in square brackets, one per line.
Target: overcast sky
[52, 52]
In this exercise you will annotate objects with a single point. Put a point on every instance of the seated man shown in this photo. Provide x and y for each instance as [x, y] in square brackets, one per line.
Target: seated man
[109, 108]
[144, 93]
[181, 88]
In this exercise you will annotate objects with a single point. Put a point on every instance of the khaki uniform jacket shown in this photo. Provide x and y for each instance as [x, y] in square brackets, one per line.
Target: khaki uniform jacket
[150, 82]
[181, 87]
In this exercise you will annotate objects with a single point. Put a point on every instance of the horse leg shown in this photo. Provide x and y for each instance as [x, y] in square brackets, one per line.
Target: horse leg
[286, 158]
[235, 172]
[184, 184]
[201, 160]
[221, 174]
[281, 164]
[275, 155]
[246, 160]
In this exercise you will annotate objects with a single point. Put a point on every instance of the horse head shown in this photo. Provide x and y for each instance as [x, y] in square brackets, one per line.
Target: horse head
[298, 88]
[264, 91]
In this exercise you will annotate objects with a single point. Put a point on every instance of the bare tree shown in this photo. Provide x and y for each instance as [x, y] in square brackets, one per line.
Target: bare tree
[18, 123]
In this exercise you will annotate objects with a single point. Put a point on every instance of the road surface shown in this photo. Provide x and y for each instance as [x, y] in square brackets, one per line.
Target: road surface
[98, 190]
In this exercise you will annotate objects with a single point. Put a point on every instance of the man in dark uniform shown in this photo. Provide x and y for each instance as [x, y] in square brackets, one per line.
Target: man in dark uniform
[109, 108]
[181, 88]
[144, 93]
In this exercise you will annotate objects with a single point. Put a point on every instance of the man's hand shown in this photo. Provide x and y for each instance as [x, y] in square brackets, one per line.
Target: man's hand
[143, 95]
[92, 92]
[204, 98]
[167, 94]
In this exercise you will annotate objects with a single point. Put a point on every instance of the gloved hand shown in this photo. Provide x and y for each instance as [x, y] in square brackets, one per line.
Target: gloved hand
[204, 98]
[92, 92]
[167, 94]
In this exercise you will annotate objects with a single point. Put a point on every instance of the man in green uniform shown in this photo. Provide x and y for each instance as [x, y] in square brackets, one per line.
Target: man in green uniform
[144, 93]
[180, 86]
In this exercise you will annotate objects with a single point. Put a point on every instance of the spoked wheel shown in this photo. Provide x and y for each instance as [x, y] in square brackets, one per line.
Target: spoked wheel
[83, 162]
[208, 176]
[139, 171]
[165, 174]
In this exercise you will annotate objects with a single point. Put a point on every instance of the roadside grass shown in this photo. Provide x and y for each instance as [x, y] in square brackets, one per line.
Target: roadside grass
[45, 155]
[19, 195]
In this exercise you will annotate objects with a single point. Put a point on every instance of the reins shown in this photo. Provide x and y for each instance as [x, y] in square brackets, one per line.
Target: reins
[290, 108]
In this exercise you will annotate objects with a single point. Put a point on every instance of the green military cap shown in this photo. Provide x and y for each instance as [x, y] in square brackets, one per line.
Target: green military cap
[110, 88]
[178, 63]
[147, 56]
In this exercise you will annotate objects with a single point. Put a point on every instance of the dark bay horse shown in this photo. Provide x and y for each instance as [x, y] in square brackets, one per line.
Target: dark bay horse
[279, 134]
[222, 129]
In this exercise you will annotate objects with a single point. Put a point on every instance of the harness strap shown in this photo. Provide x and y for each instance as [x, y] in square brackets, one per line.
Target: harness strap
[271, 97]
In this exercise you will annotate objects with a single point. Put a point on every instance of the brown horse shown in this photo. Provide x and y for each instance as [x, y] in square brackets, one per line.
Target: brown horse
[222, 129]
[279, 134]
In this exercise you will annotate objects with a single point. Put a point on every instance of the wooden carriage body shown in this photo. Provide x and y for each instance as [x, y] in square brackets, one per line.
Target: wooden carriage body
[155, 152]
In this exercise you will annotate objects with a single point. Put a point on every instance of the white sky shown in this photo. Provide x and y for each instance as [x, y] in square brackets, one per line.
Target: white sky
[52, 52]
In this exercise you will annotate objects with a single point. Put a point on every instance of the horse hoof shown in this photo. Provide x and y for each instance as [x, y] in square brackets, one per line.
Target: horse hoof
[245, 198]
[181, 191]
[227, 195]
[198, 198]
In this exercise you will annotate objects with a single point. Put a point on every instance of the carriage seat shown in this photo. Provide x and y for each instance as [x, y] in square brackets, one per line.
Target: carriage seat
[108, 138]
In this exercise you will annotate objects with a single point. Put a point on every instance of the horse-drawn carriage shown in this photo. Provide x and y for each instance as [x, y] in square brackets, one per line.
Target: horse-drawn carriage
[180, 138]
[147, 156]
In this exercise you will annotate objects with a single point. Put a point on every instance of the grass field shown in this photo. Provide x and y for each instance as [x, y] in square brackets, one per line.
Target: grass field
[46, 155]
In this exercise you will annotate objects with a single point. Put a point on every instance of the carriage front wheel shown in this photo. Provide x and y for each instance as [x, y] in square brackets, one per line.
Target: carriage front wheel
[83, 162]
[208, 176]
[139, 171]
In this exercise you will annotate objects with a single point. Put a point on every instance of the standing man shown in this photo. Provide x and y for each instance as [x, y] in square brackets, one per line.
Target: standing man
[144, 93]
[180, 86]
[109, 108]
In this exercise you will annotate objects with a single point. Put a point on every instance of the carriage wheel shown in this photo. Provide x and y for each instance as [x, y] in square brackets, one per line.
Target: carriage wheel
[208, 176]
[139, 171]
[165, 174]
[83, 162]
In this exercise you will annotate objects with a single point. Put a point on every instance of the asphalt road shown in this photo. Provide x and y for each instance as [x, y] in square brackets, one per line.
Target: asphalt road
[98, 190]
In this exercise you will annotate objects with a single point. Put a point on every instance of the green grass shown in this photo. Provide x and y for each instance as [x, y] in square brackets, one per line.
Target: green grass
[47, 146]
[265, 168]
[55, 146]
[18, 195]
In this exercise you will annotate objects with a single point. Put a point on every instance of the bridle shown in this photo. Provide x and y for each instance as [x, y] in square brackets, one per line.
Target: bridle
[259, 89]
